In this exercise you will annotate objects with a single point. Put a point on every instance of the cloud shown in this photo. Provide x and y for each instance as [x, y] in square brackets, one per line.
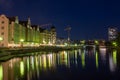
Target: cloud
[6, 4]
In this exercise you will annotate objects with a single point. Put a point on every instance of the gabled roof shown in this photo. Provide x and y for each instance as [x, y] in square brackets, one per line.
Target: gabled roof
[24, 23]
[35, 26]
[11, 19]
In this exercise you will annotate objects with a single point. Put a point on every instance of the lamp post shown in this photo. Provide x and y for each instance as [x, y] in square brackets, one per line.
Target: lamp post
[21, 40]
[1, 39]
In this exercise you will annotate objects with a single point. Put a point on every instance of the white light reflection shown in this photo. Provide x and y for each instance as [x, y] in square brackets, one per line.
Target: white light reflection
[103, 54]
[76, 57]
[113, 61]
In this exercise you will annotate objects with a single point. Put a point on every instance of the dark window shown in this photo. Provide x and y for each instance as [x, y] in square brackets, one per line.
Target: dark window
[2, 27]
[2, 33]
[2, 22]
[2, 45]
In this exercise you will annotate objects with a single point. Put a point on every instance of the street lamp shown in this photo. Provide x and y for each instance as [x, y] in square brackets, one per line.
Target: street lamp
[21, 40]
[1, 39]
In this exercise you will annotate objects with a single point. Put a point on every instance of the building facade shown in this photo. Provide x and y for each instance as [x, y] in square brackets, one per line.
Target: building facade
[16, 33]
[112, 33]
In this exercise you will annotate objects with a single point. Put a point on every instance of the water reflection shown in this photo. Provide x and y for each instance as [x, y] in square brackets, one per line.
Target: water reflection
[113, 61]
[1, 72]
[33, 66]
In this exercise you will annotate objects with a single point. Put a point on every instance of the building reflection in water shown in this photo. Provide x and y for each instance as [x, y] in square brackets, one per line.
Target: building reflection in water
[21, 68]
[83, 58]
[30, 67]
[102, 52]
[113, 60]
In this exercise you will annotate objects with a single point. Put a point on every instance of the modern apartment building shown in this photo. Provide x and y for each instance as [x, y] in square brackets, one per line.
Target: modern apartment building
[112, 33]
[16, 33]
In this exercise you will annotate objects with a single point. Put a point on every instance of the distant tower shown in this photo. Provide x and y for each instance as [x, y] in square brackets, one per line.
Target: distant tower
[112, 33]
[68, 31]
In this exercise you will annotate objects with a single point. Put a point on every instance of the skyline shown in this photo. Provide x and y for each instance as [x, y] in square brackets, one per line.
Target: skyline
[88, 19]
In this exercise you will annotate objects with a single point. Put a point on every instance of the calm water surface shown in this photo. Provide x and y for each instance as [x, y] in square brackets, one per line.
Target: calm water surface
[88, 64]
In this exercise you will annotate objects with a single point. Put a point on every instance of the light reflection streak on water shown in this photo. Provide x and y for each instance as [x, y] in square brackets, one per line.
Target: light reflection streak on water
[28, 66]
[113, 61]
[1, 72]
[44, 61]
[22, 68]
[103, 54]
[76, 57]
[63, 58]
[96, 57]
[50, 61]
[47, 62]
[83, 59]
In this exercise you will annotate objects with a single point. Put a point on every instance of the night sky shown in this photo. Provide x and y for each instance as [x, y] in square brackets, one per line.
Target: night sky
[89, 19]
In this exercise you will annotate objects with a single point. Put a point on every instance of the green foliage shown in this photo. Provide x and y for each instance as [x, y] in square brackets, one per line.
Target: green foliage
[118, 39]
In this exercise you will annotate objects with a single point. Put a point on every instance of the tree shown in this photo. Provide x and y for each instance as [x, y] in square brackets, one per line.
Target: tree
[118, 39]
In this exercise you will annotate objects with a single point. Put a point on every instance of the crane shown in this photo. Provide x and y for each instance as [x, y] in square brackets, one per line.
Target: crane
[46, 25]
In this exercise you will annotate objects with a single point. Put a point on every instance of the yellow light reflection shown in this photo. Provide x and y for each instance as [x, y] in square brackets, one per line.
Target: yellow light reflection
[115, 56]
[83, 59]
[50, 60]
[96, 57]
[28, 64]
[44, 61]
[22, 68]
[1, 72]
[63, 58]
[40, 62]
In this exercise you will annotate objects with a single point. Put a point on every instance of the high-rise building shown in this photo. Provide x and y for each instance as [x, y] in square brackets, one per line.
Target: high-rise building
[112, 33]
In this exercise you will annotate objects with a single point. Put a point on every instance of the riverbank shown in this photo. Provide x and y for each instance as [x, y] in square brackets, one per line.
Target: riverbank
[7, 53]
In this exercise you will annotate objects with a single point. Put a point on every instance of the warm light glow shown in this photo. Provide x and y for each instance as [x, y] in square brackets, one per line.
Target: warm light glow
[50, 60]
[21, 40]
[22, 68]
[44, 61]
[63, 58]
[96, 42]
[83, 41]
[114, 43]
[1, 38]
[1, 72]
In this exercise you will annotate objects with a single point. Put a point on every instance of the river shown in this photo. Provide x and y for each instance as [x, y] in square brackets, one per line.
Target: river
[81, 64]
